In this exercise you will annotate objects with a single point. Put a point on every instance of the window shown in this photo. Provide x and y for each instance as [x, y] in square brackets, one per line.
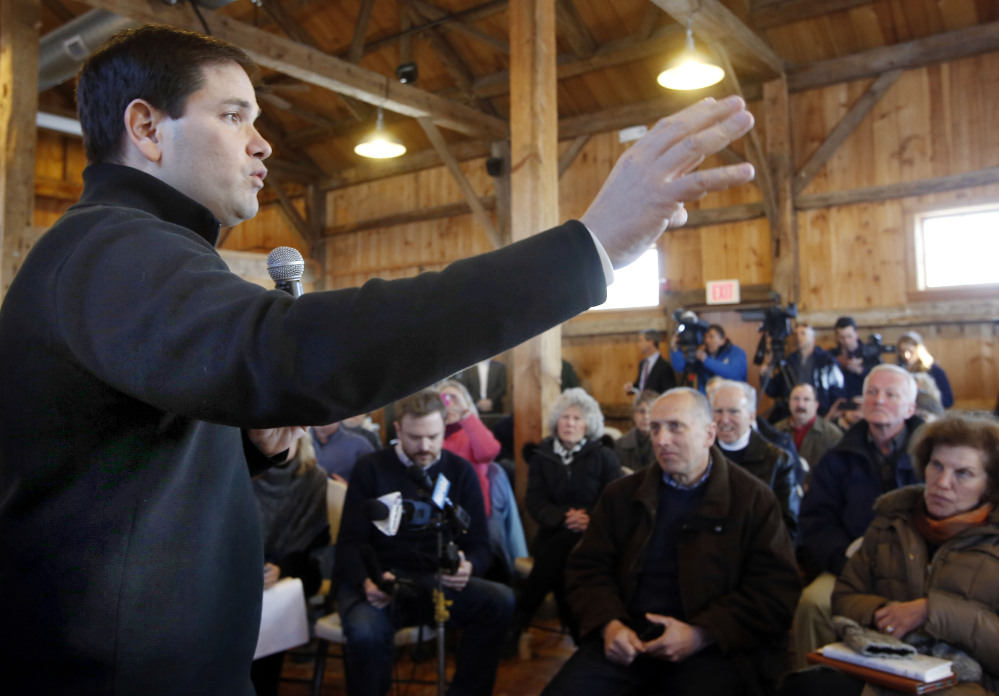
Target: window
[957, 248]
[636, 285]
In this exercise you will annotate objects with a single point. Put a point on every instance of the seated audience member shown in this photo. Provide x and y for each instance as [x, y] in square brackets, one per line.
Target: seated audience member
[467, 436]
[733, 405]
[716, 357]
[849, 355]
[654, 371]
[337, 449]
[928, 407]
[486, 382]
[812, 435]
[363, 425]
[808, 364]
[565, 476]
[694, 549]
[366, 557]
[870, 460]
[291, 498]
[634, 448]
[913, 356]
[950, 525]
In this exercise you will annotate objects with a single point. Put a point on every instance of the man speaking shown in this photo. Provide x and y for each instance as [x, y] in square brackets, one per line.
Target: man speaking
[150, 381]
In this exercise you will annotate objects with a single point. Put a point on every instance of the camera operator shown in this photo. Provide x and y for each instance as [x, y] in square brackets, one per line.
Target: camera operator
[715, 357]
[808, 364]
[855, 358]
[369, 562]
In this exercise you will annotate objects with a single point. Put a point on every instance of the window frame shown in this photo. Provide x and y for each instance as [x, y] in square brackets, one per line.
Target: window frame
[915, 266]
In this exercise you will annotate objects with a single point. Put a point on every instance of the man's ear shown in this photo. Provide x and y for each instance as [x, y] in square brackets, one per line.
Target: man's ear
[142, 128]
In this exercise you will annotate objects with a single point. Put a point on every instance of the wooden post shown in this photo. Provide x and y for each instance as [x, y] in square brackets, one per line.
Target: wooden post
[534, 202]
[786, 271]
[20, 21]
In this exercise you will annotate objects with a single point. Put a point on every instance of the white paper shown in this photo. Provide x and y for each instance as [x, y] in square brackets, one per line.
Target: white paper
[283, 619]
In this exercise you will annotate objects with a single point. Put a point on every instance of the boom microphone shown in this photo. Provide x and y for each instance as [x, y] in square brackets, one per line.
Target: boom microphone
[285, 266]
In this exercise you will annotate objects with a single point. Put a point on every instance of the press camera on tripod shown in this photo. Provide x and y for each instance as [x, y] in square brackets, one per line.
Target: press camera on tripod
[874, 348]
[776, 326]
[689, 333]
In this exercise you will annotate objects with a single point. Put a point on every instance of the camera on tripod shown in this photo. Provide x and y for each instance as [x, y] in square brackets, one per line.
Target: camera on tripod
[874, 348]
[689, 333]
[777, 325]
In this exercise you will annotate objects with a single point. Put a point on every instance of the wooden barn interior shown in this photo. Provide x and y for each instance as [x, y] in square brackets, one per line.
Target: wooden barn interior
[868, 112]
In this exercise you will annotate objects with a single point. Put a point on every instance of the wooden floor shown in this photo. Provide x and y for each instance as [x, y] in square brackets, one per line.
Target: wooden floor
[516, 677]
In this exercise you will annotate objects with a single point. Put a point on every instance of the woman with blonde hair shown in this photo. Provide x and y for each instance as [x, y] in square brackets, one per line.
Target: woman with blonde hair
[913, 356]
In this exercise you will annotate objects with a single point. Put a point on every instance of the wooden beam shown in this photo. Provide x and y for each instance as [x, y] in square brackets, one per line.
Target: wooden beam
[574, 29]
[316, 68]
[771, 14]
[571, 153]
[437, 212]
[844, 128]
[280, 16]
[471, 197]
[415, 162]
[537, 365]
[20, 21]
[940, 48]
[904, 189]
[625, 50]
[432, 12]
[715, 24]
[360, 31]
[786, 268]
[472, 14]
[719, 216]
[501, 184]
[290, 213]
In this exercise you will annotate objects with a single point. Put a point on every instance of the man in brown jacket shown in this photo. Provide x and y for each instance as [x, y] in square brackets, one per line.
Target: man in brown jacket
[685, 579]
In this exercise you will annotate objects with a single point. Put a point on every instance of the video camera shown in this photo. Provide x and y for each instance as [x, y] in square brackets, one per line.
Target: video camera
[874, 348]
[777, 325]
[689, 333]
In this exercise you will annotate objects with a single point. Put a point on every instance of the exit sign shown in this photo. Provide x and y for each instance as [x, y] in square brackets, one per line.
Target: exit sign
[723, 292]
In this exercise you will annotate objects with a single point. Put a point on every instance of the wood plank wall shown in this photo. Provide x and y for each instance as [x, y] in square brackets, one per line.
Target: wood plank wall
[933, 122]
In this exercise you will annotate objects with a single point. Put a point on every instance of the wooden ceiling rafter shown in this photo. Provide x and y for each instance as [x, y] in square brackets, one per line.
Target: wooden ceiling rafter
[471, 197]
[771, 13]
[472, 14]
[573, 28]
[439, 19]
[842, 130]
[315, 67]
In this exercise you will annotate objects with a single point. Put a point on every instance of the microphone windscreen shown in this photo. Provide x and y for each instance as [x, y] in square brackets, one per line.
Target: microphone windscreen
[285, 263]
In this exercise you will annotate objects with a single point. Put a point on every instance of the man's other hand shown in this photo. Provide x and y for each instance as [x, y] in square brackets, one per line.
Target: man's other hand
[648, 186]
[377, 598]
[459, 579]
[621, 644]
[679, 641]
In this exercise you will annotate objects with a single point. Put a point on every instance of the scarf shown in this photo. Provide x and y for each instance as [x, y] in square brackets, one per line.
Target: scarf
[936, 532]
[564, 453]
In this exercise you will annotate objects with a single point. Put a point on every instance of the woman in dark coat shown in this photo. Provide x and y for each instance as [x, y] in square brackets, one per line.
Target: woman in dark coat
[566, 474]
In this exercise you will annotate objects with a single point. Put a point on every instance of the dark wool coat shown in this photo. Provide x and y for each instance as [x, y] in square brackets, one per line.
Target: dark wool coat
[131, 358]
[960, 580]
[738, 579]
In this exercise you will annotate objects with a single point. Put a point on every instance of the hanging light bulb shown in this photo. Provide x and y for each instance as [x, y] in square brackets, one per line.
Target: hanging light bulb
[379, 144]
[690, 70]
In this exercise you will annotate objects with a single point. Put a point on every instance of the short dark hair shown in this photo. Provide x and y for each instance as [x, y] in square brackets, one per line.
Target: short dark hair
[422, 403]
[161, 64]
[844, 322]
[980, 432]
[717, 329]
[651, 335]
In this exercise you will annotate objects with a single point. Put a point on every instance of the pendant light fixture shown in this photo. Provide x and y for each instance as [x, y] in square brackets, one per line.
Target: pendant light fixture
[690, 70]
[379, 144]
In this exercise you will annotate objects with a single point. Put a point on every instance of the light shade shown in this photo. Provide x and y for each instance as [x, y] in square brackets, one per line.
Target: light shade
[379, 144]
[690, 70]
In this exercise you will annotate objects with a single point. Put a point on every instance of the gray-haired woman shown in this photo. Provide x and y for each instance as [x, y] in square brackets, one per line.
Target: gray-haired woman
[566, 474]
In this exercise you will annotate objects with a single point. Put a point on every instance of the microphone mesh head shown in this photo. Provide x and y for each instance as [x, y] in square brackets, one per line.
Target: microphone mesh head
[285, 263]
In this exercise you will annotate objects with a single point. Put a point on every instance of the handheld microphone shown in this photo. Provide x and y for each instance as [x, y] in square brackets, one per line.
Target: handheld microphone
[285, 266]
